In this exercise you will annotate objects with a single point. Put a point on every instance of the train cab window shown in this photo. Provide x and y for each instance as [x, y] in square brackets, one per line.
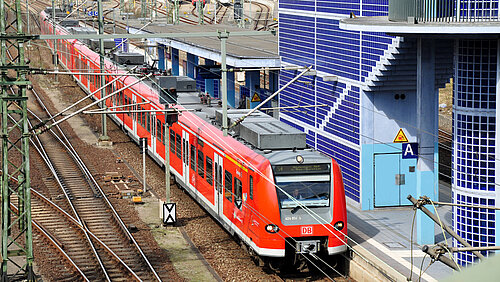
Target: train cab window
[172, 141]
[178, 143]
[250, 180]
[228, 185]
[201, 170]
[193, 158]
[237, 192]
[209, 168]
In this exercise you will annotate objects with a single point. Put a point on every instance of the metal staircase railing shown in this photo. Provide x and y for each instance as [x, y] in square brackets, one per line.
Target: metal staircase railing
[444, 11]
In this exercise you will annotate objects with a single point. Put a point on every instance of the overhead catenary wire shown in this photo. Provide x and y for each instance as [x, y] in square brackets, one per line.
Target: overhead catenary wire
[391, 145]
[285, 193]
[90, 105]
[464, 205]
[444, 235]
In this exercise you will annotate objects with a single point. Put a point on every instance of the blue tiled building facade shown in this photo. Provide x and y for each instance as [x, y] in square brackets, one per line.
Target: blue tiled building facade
[374, 94]
[309, 34]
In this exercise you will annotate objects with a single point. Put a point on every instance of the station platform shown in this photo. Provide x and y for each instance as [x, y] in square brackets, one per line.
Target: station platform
[382, 236]
[242, 52]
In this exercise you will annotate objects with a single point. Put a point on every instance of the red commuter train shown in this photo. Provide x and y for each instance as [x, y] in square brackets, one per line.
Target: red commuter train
[280, 198]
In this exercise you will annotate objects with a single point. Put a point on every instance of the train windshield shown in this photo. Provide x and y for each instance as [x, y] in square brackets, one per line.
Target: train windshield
[308, 190]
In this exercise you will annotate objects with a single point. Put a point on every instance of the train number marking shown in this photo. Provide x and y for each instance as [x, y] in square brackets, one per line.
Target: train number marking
[306, 230]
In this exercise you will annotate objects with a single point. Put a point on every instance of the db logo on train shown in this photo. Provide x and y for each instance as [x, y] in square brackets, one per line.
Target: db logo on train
[306, 230]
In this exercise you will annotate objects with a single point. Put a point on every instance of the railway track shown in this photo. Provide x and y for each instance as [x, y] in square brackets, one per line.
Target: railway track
[97, 241]
[81, 224]
[262, 20]
[58, 198]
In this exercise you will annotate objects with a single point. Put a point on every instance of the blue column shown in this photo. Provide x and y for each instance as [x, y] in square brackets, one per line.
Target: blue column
[175, 61]
[192, 62]
[252, 82]
[475, 142]
[161, 57]
[427, 115]
[231, 93]
[209, 83]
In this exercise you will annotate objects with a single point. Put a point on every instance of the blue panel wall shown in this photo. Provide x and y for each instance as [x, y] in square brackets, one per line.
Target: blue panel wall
[304, 5]
[309, 34]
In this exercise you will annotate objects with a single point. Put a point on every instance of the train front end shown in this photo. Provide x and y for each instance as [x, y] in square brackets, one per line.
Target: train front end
[311, 201]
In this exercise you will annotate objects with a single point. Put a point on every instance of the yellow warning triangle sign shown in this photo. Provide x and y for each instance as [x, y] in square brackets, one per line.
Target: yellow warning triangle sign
[400, 137]
[256, 98]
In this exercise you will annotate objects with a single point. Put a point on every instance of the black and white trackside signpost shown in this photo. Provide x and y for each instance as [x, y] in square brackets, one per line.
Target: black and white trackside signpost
[169, 213]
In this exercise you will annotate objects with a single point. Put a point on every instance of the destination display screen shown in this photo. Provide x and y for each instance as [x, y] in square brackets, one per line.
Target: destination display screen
[302, 169]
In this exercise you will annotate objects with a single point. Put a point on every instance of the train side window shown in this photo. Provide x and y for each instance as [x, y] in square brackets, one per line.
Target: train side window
[172, 141]
[193, 158]
[228, 185]
[201, 170]
[251, 187]
[143, 117]
[178, 142]
[148, 122]
[237, 192]
[159, 131]
[209, 168]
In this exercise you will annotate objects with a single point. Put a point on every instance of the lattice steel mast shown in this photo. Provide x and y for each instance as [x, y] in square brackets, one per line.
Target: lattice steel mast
[17, 243]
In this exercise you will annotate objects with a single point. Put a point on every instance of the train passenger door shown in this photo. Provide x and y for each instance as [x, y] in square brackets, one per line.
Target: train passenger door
[88, 77]
[185, 156]
[152, 129]
[219, 184]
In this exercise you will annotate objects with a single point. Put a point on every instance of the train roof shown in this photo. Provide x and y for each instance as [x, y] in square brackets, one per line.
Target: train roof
[266, 136]
[278, 142]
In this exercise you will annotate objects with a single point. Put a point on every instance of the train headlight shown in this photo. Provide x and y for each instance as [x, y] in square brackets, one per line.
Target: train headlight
[272, 228]
[339, 225]
[299, 159]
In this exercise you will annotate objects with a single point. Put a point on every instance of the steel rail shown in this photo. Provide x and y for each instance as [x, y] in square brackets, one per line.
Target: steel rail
[103, 194]
[78, 221]
[47, 160]
[66, 195]
[83, 228]
[53, 241]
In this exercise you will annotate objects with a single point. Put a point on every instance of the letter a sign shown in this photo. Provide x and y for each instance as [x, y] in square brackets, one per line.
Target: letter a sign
[410, 150]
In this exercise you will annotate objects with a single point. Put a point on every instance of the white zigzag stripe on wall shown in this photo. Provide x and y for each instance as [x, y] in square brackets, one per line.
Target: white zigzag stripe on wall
[308, 128]
[335, 106]
[372, 75]
[383, 62]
